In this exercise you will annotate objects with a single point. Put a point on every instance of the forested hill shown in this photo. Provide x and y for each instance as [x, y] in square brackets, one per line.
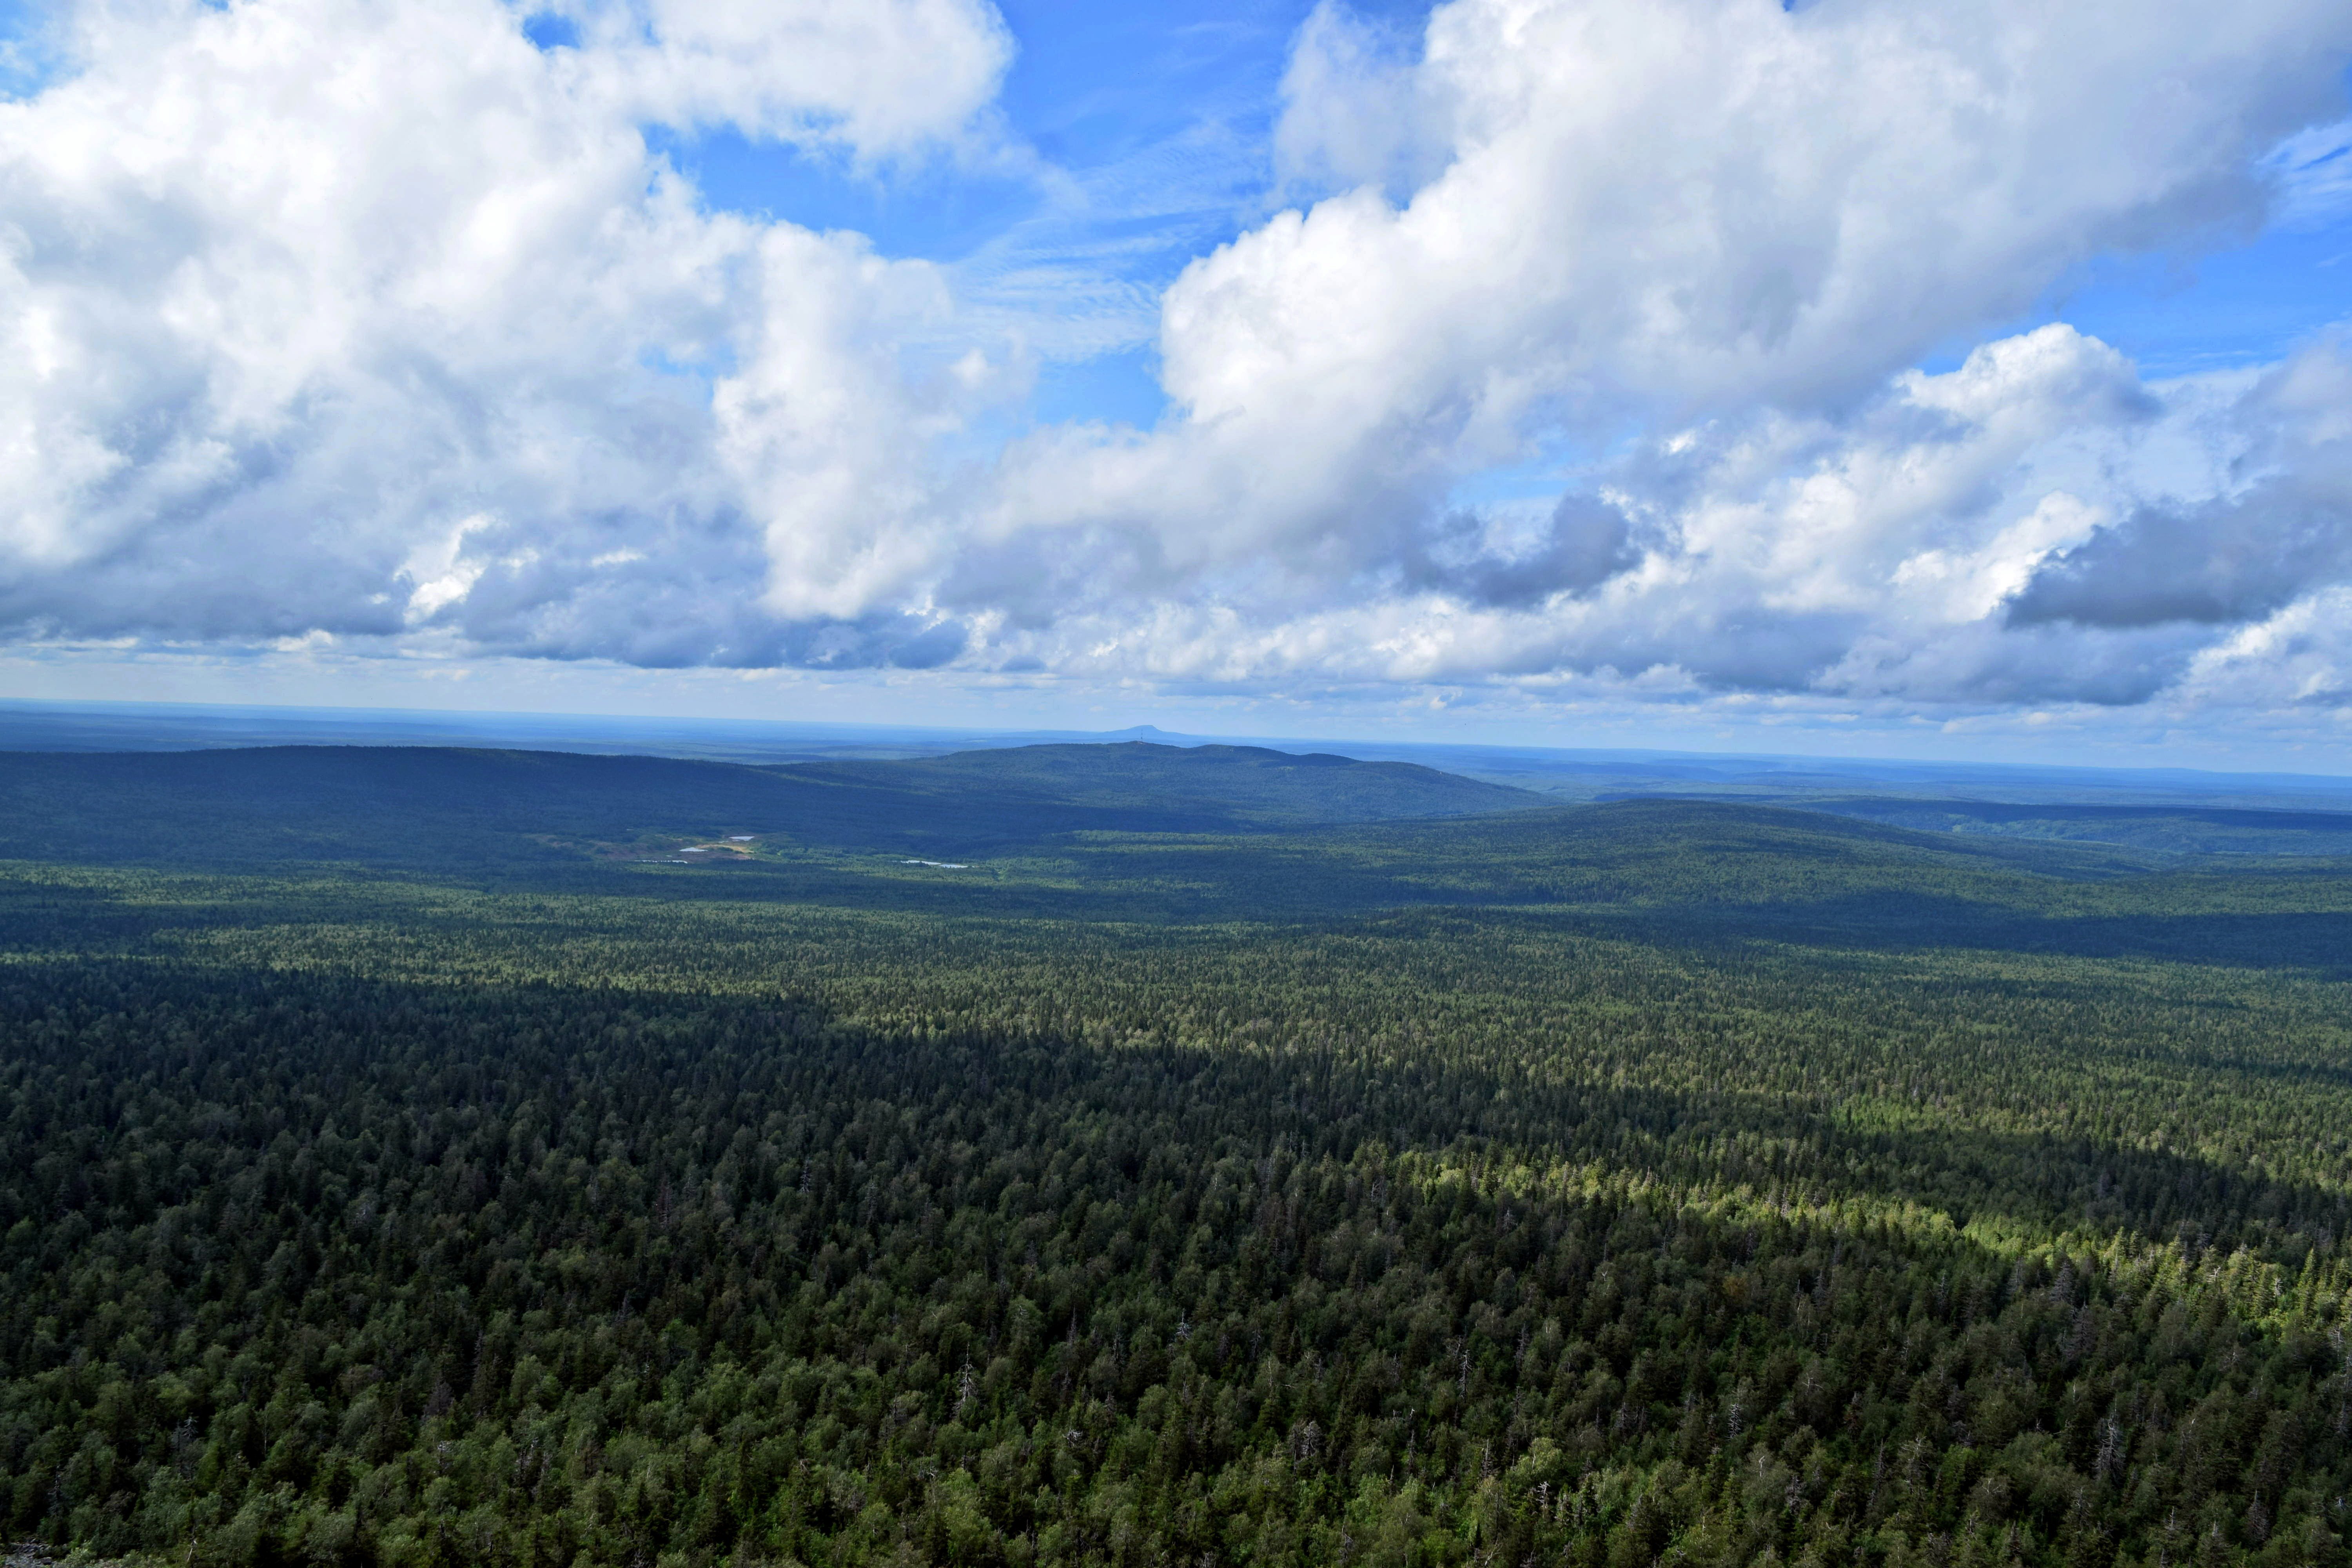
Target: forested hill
[1249, 785]
[449, 806]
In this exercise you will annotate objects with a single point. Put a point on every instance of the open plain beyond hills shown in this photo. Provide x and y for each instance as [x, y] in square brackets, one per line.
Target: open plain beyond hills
[1142, 1155]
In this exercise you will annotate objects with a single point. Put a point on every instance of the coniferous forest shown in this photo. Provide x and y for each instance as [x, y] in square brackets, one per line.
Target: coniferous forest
[1616, 1185]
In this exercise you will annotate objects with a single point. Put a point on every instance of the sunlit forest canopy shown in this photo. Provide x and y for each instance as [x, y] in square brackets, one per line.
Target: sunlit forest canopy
[554, 1176]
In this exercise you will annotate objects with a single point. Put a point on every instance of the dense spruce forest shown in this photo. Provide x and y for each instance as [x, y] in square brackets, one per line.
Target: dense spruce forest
[1620, 1185]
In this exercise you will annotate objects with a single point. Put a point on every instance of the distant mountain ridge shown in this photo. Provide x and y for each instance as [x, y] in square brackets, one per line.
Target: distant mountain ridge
[403, 804]
[1563, 772]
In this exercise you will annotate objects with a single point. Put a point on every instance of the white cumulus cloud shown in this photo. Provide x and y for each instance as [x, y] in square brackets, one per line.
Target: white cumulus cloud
[342, 317]
[1665, 210]
[1569, 223]
[377, 322]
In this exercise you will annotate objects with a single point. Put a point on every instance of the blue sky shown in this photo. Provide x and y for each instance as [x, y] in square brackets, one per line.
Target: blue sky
[2250, 299]
[1506, 371]
[1116, 95]
[1109, 93]
[1140, 139]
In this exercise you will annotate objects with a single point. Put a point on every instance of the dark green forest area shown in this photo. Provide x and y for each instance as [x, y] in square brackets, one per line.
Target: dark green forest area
[1617, 1185]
